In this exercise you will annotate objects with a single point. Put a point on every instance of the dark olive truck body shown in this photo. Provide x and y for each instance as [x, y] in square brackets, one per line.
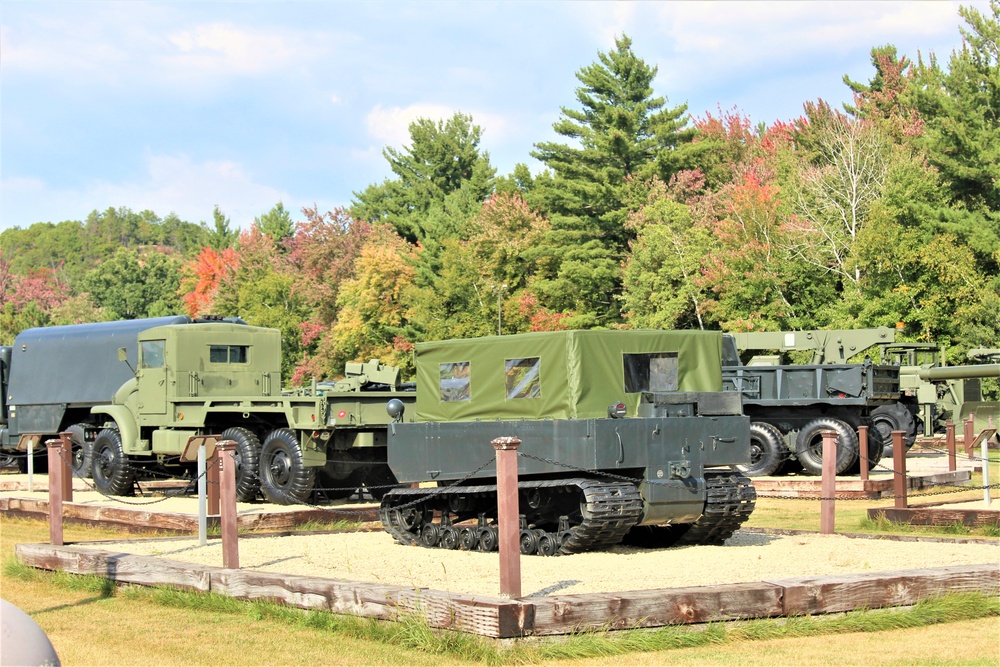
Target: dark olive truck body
[224, 378]
[618, 429]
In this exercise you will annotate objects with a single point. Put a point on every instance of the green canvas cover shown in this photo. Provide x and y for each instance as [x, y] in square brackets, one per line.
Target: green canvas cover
[559, 374]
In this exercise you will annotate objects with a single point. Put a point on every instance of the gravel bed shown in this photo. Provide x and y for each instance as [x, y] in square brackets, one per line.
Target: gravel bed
[746, 557]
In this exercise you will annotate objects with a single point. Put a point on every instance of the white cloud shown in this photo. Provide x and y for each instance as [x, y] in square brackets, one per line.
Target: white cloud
[172, 183]
[391, 126]
[224, 47]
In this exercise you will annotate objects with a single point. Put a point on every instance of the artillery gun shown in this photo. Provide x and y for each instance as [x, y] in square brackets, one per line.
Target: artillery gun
[625, 435]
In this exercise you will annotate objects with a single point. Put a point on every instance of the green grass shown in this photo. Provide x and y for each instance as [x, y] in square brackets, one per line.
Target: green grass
[412, 633]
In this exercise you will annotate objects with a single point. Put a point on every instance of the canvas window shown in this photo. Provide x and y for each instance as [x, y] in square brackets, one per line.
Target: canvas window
[651, 372]
[152, 353]
[523, 377]
[455, 384]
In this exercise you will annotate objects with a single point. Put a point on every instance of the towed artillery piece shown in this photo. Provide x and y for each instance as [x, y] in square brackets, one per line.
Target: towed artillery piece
[135, 394]
[626, 436]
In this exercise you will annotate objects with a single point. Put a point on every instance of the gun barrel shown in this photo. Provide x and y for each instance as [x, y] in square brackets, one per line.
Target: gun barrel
[960, 372]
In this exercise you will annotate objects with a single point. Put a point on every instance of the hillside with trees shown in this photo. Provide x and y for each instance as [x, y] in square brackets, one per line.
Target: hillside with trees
[642, 215]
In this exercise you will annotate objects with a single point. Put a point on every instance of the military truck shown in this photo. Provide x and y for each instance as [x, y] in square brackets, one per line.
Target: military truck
[931, 392]
[52, 376]
[791, 405]
[626, 435]
[224, 378]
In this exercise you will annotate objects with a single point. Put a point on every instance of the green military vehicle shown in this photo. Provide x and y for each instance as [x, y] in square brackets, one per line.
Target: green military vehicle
[224, 378]
[626, 435]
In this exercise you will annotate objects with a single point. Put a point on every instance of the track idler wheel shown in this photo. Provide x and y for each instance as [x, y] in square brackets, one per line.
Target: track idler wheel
[430, 534]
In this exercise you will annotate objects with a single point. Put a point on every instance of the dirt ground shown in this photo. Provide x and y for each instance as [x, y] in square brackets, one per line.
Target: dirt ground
[746, 557]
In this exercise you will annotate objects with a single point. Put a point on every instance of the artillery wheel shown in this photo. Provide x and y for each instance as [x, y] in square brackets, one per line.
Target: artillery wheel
[113, 475]
[809, 445]
[247, 456]
[284, 477]
[894, 417]
[83, 451]
[767, 450]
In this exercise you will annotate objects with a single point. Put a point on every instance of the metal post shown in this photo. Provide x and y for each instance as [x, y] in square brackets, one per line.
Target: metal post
[829, 482]
[202, 498]
[899, 469]
[227, 501]
[949, 441]
[55, 492]
[968, 436]
[66, 466]
[509, 516]
[31, 465]
[986, 472]
[863, 452]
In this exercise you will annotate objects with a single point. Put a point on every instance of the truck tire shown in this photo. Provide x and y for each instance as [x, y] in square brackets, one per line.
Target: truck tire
[247, 456]
[809, 445]
[284, 477]
[83, 452]
[113, 475]
[894, 417]
[767, 450]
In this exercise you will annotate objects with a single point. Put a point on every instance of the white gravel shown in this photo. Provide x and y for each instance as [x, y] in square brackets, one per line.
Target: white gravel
[746, 557]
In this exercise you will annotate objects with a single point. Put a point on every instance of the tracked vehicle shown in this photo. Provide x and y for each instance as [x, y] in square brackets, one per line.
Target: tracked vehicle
[625, 436]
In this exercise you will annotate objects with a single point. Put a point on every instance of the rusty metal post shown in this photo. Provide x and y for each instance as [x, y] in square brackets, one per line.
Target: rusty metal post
[212, 477]
[949, 441]
[67, 470]
[967, 435]
[509, 516]
[55, 491]
[899, 469]
[829, 483]
[863, 452]
[227, 497]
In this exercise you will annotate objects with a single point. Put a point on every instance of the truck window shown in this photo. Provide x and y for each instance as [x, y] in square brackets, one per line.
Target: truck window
[152, 353]
[228, 354]
[523, 378]
[653, 372]
[455, 382]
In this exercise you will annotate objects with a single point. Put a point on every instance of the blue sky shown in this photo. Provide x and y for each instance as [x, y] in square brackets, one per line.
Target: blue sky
[179, 106]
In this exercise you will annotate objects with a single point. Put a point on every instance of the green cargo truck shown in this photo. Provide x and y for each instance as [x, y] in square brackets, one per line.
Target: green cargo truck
[222, 378]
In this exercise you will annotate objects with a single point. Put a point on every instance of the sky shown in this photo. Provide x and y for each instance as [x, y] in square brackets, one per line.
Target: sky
[182, 106]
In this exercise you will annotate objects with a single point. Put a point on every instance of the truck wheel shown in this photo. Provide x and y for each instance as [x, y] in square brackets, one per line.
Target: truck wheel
[809, 445]
[112, 473]
[247, 455]
[767, 450]
[284, 477]
[894, 417]
[83, 452]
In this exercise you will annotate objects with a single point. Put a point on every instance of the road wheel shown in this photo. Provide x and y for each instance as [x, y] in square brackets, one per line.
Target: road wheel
[767, 450]
[83, 451]
[112, 473]
[894, 417]
[284, 477]
[247, 456]
[809, 445]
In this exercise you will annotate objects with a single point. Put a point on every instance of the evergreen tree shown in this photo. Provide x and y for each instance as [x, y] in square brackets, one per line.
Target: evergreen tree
[442, 158]
[621, 130]
[276, 223]
[221, 236]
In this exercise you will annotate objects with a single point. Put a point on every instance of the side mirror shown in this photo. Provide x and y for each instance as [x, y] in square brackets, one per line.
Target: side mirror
[122, 354]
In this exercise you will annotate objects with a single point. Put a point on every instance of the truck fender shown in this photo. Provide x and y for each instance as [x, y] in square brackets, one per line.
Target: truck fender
[127, 427]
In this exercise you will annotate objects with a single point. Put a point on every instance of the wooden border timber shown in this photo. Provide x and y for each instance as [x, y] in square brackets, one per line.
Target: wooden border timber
[854, 488]
[553, 615]
[145, 521]
[931, 514]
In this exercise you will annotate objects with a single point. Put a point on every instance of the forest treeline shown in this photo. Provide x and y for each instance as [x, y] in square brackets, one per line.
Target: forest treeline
[644, 216]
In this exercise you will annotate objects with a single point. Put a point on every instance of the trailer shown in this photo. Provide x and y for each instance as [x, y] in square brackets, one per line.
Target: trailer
[790, 406]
